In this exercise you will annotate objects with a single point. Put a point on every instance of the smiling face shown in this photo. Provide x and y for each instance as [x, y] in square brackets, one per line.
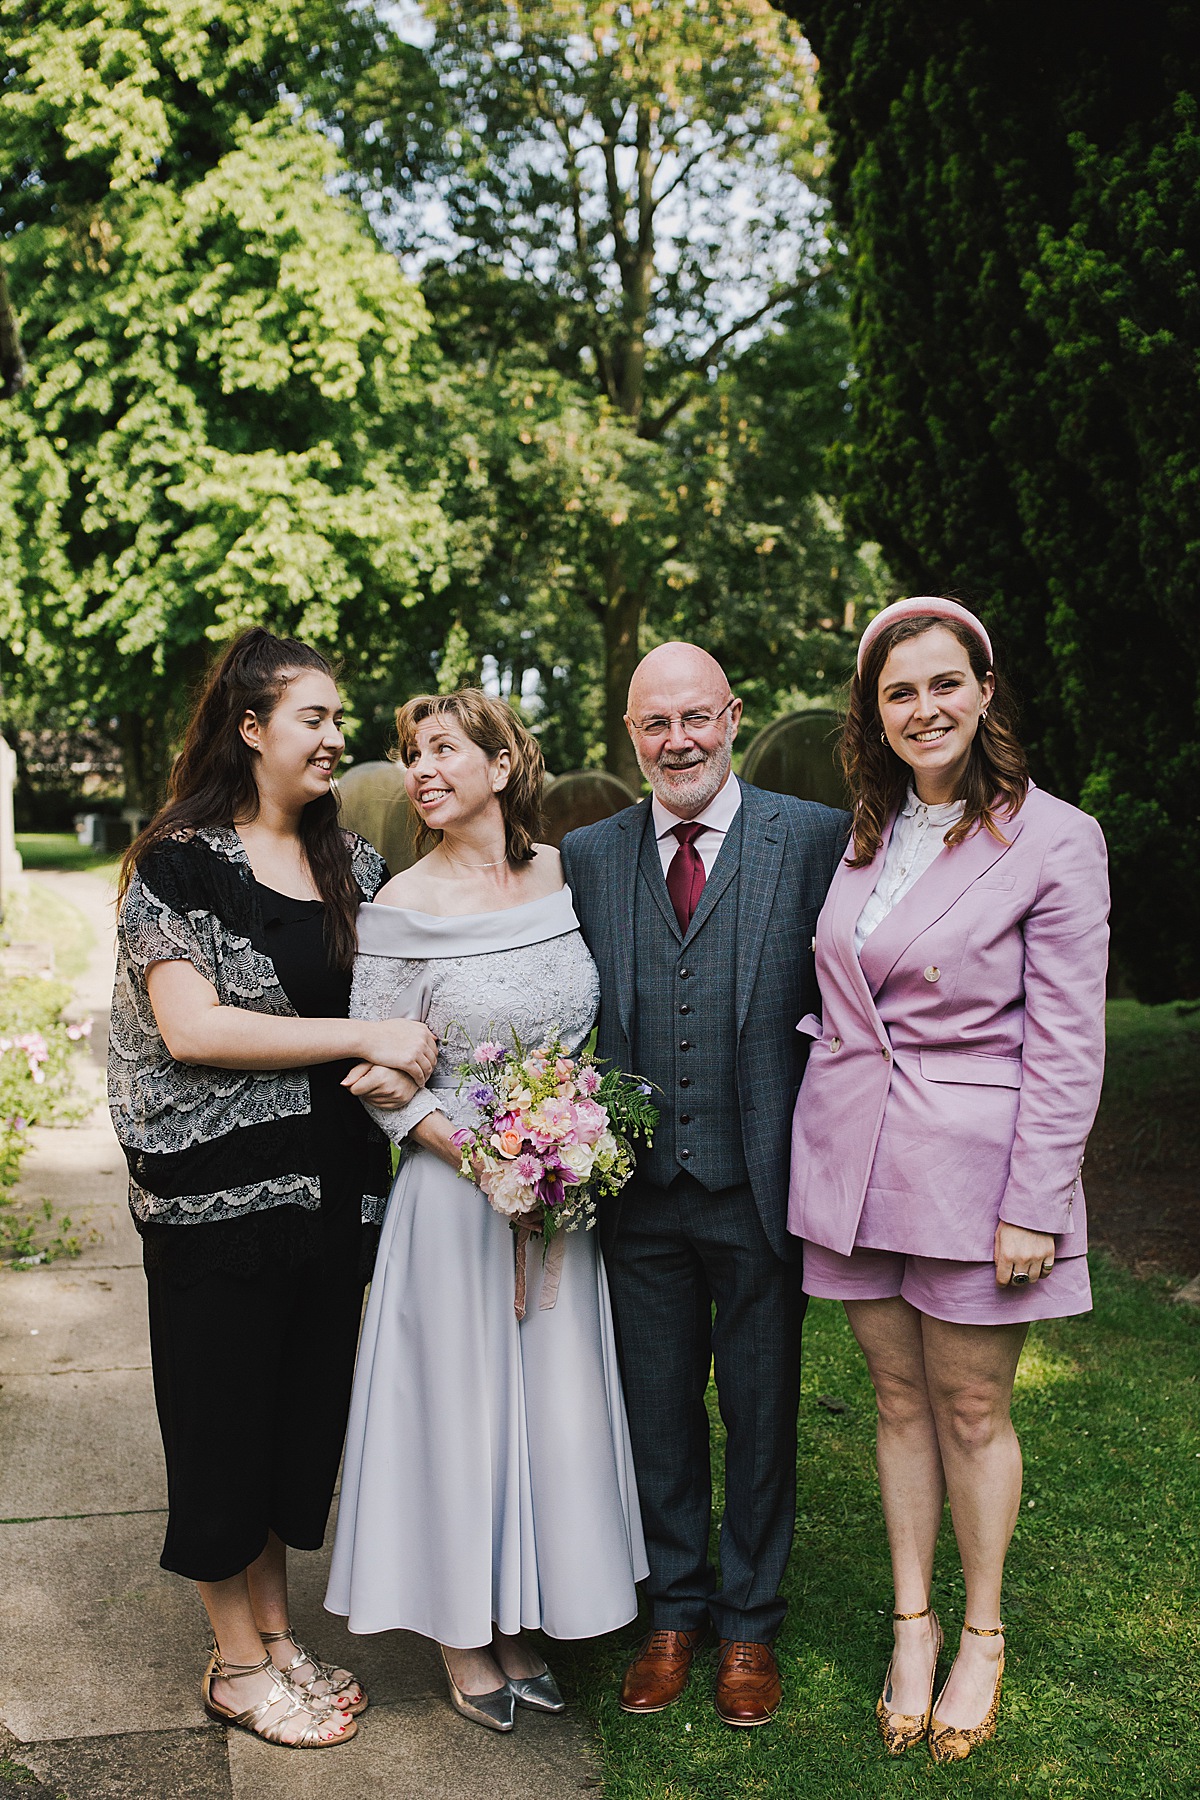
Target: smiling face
[449, 779]
[300, 743]
[683, 720]
[929, 702]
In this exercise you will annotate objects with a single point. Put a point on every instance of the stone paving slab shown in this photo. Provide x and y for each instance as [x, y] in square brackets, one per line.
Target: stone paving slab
[423, 1749]
[79, 1443]
[61, 1318]
[98, 1639]
[143, 1765]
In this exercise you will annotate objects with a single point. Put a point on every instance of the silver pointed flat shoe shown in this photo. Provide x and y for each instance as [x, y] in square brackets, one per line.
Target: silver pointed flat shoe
[539, 1691]
[494, 1711]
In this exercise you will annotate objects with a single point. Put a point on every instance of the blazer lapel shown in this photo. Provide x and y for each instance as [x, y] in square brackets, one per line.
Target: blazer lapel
[930, 897]
[632, 825]
[849, 893]
[763, 837]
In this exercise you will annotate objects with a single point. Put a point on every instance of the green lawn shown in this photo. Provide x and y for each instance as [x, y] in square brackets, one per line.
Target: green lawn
[1101, 1693]
[59, 850]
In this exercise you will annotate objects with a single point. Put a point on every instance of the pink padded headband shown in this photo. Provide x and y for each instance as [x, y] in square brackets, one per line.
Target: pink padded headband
[914, 607]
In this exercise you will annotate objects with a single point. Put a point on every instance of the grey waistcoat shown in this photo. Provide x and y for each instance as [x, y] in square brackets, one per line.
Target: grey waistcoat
[691, 1055]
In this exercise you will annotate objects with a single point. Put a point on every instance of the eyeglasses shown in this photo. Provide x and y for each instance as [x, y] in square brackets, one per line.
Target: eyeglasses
[693, 724]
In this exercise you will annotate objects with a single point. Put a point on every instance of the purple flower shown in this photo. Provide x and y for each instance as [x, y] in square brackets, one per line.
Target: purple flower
[643, 1087]
[482, 1095]
[461, 1136]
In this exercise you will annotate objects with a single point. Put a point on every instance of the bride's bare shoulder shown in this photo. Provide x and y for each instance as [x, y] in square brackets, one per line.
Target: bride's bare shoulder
[409, 888]
[546, 869]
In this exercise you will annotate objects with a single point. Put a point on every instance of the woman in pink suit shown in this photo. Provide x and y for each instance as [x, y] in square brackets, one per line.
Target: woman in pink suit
[940, 1128]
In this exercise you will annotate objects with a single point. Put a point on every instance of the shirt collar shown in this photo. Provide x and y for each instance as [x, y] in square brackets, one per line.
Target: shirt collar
[718, 815]
[947, 812]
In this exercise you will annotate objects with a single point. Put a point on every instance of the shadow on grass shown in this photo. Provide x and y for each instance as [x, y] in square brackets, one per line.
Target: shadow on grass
[1103, 1657]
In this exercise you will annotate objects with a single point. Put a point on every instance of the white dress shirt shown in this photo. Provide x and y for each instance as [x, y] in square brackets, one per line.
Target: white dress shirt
[918, 838]
[716, 819]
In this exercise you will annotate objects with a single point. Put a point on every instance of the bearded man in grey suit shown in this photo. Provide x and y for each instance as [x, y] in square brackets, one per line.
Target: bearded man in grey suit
[699, 908]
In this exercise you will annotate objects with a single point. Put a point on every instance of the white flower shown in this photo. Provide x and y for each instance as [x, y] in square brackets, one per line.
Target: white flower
[578, 1158]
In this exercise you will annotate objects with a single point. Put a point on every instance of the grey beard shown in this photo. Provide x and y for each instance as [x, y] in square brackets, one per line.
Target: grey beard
[706, 779]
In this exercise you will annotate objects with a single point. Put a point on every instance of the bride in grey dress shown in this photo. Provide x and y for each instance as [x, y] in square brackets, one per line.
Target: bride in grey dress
[488, 1484]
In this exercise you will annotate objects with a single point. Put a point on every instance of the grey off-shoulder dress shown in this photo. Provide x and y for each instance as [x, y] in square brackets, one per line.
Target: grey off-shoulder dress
[488, 1473]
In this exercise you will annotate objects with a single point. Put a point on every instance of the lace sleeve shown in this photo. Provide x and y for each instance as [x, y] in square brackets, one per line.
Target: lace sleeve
[149, 930]
[389, 987]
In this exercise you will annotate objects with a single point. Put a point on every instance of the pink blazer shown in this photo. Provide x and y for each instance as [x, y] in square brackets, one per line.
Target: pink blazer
[956, 1073]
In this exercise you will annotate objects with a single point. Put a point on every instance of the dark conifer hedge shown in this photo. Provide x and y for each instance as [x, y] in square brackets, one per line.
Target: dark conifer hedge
[1021, 188]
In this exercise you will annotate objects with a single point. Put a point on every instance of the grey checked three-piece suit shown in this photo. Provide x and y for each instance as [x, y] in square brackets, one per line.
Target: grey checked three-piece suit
[700, 1266]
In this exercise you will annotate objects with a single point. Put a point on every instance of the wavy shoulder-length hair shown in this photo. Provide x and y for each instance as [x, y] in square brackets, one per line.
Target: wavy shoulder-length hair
[996, 778]
[493, 726]
[213, 781]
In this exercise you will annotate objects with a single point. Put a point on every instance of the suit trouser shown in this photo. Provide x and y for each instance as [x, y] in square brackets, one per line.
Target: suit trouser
[694, 1285]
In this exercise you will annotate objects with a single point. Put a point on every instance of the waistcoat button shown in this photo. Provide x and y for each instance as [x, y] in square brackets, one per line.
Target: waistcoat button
[933, 973]
[685, 1118]
[684, 973]
[685, 1081]
[685, 1153]
[685, 1008]
[684, 1045]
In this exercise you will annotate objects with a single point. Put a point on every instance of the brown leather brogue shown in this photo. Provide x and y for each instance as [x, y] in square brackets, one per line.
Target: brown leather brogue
[659, 1672]
[748, 1686]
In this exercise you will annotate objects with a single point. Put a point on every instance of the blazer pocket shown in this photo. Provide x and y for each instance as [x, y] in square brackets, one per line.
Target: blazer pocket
[971, 1066]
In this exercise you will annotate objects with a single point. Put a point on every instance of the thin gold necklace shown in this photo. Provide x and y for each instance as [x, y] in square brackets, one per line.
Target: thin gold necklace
[488, 865]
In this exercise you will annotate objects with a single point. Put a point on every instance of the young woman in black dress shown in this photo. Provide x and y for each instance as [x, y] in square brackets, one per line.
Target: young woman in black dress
[235, 1081]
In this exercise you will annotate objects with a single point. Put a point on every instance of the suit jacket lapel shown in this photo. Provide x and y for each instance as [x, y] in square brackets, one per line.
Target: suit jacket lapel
[930, 897]
[633, 827]
[763, 837]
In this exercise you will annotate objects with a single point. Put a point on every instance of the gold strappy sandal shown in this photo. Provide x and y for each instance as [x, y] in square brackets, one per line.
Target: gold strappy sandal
[951, 1743]
[254, 1719]
[338, 1681]
[900, 1731]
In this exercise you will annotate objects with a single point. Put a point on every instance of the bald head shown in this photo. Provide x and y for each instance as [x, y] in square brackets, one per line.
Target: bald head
[683, 720]
[685, 672]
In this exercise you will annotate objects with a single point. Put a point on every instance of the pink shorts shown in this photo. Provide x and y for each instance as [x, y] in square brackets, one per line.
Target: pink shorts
[962, 1293]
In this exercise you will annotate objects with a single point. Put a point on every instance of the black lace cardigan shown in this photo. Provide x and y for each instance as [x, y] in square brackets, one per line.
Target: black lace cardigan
[207, 1145]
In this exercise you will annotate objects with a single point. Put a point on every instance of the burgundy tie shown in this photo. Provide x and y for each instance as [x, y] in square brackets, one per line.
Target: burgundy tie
[685, 877]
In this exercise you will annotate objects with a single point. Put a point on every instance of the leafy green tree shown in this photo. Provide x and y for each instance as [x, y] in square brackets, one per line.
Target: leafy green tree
[624, 202]
[1020, 188]
[225, 416]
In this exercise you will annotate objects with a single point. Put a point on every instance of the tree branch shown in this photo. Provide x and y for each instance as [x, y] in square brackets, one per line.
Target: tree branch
[13, 371]
[698, 365]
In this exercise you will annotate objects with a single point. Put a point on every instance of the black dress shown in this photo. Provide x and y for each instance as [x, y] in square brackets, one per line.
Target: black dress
[254, 1322]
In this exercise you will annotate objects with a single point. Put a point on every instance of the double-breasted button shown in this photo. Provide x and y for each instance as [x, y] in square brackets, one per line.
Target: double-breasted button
[835, 1044]
[685, 1008]
[684, 1044]
[684, 973]
[685, 1081]
[685, 1118]
[933, 973]
[887, 1055]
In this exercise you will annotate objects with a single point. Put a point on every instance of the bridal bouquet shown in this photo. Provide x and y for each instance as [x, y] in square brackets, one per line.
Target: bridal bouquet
[555, 1135]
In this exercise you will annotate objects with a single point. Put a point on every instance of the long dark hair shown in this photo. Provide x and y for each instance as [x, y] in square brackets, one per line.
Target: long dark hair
[212, 782]
[996, 777]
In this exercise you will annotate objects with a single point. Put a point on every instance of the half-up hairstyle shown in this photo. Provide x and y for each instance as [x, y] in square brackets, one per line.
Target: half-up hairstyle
[213, 780]
[996, 778]
[492, 726]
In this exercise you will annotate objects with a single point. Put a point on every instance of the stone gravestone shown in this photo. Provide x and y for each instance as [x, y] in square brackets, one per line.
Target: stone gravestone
[582, 797]
[374, 804]
[10, 861]
[797, 755]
